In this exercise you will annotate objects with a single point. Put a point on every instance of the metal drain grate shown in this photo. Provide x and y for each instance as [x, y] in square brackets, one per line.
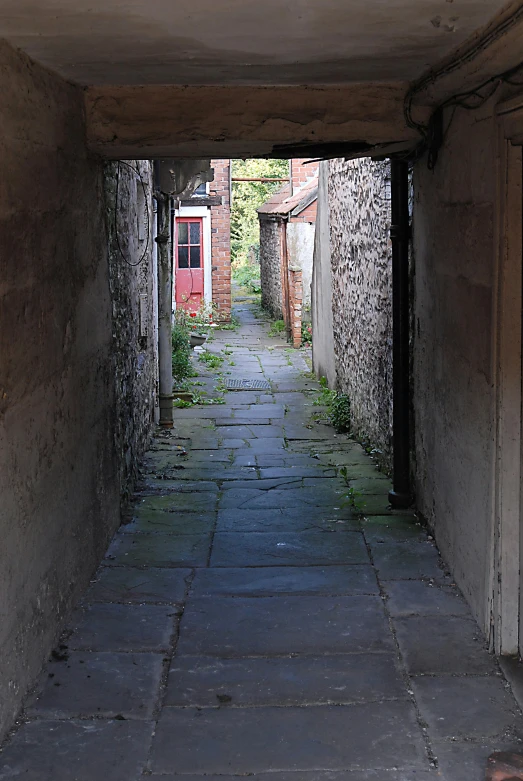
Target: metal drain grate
[233, 384]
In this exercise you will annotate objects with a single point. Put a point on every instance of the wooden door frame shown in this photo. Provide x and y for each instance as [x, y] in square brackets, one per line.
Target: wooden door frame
[505, 608]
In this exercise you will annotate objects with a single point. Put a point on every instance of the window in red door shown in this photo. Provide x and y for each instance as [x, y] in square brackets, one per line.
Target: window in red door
[189, 244]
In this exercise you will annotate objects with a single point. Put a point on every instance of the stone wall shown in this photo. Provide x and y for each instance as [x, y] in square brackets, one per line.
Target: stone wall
[270, 265]
[359, 202]
[221, 238]
[60, 480]
[132, 278]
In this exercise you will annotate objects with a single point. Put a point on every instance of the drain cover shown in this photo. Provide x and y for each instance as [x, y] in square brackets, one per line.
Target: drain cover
[233, 384]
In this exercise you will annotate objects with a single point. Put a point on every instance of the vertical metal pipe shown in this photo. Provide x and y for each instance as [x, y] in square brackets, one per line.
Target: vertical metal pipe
[400, 496]
[165, 286]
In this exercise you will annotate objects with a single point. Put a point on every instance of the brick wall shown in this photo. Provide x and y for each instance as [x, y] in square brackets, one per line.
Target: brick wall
[295, 306]
[307, 215]
[302, 172]
[221, 238]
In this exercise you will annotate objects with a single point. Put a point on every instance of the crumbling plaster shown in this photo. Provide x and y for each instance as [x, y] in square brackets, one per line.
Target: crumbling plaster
[219, 122]
[59, 444]
[359, 200]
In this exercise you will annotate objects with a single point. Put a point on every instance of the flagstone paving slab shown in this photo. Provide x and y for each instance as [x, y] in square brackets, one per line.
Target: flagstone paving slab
[293, 681]
[468, 707]
[274, 626]
[100, 684]
[87, 750]
[247, 740]
[254, 549]
[129, 585]
[273, 581]
[159, 550]
[115, 627]
[170, 523]
[408, 597]
[443, 644]
[313, 519]
[407, 560]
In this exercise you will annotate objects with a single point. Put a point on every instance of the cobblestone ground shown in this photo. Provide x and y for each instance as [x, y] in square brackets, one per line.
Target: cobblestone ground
[248, 622]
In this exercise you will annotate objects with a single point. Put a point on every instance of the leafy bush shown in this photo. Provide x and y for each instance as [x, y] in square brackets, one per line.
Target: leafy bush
[337, 407]
[245, 272]
[181, 356]
[339, 413]
[306, 334]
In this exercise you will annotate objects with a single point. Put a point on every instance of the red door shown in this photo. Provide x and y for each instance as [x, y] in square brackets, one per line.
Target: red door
[188, 262]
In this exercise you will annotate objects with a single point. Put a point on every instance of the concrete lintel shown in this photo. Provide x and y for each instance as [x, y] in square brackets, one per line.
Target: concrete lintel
[174, 121]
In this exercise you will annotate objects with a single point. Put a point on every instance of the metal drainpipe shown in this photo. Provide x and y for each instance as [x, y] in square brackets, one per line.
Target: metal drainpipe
[400, 496]
[164, 311]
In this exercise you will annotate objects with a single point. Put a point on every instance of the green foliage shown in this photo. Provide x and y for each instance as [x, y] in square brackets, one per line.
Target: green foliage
[211, 360]
[339, 413]
[204, 317]
[182, 403]
[306, 334]
[277, 328]
[245, 272]
[337, 407]
[246, 198]
[325, 395]
[181, 355]
[232, 325]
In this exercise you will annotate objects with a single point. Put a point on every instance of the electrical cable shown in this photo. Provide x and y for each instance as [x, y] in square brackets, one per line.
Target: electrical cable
[136, 171]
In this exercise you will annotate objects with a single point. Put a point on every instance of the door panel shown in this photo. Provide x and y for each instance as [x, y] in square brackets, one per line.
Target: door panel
[188, 263]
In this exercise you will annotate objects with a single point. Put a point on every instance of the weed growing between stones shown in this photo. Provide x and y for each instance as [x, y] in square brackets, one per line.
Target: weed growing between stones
[211, 360]
[277, 328]
[337, 412]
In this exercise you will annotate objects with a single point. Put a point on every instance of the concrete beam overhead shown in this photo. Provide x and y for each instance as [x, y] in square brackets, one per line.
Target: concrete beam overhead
[174, 121]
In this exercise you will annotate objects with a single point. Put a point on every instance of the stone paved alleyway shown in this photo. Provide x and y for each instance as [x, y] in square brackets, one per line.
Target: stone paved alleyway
[247, 622]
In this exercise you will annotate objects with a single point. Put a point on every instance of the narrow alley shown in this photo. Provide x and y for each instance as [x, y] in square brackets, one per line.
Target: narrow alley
[248, 622]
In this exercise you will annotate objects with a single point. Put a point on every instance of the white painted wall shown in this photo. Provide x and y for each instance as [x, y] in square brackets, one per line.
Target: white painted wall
[321, 298]
[300, 248]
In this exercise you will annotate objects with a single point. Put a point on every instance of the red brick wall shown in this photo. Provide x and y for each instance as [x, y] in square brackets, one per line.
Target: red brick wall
[221, 238]
[301, 173]
[307, 215]
[295, 306]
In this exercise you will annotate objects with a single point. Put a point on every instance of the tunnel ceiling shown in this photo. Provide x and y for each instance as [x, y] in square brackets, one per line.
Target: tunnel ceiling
[240, 42]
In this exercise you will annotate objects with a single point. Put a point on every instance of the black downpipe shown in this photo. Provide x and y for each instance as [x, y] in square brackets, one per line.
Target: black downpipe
[400, 496]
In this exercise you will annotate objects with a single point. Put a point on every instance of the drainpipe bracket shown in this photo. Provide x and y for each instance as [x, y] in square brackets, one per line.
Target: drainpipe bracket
[166, 411]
